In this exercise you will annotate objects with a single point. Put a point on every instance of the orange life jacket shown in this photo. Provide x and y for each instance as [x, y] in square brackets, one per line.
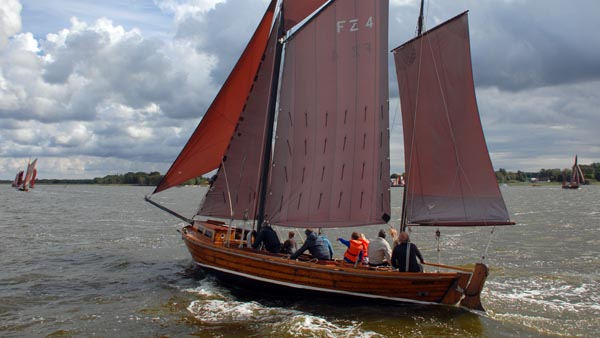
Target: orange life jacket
[354, 250]
[365, 243]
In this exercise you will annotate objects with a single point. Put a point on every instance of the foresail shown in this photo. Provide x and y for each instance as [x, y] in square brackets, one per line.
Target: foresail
[450, 178]
[295, 11]
[234, 193]
[204, 150]
[331, 157]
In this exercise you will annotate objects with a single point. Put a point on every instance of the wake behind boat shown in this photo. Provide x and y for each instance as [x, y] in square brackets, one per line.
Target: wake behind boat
[299, 135]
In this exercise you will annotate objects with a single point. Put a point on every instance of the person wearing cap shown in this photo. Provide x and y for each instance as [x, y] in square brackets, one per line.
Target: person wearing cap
[380, 252]
[315, 245]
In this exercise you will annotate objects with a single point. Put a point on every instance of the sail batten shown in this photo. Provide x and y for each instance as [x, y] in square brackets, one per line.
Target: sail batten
[450, 178]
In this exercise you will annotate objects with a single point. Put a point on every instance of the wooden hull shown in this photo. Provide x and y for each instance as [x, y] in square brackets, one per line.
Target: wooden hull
[335, 278]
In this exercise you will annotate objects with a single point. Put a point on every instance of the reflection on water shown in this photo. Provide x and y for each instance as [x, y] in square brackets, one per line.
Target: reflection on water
[98, 261]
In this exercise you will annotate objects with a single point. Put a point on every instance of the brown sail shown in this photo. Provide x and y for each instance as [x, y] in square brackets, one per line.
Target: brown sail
[205, 148]
[450, 179]
[331, 159]
[234, 193]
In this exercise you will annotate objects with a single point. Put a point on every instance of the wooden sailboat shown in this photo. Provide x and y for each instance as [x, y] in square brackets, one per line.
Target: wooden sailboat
[30, 176]
[577, 177]
[299, 137]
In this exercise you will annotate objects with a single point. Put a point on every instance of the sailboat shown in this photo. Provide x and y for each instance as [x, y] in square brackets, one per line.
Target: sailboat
[30, 176]
[18, 179]
[299, 136]
[398, 181]
[577, 177]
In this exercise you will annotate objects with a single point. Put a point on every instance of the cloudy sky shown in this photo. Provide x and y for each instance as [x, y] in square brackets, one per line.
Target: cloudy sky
[93, 88]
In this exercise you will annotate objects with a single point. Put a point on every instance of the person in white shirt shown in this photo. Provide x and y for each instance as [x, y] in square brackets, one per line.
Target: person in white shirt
[380, 252]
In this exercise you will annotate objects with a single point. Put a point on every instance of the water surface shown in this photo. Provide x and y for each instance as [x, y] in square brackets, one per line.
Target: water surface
[79, 261]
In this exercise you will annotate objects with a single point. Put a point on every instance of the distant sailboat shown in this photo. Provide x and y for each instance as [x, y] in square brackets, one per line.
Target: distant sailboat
[30, 176]
[398, 181]
[577, 178]
[312, 150]
[18, 179]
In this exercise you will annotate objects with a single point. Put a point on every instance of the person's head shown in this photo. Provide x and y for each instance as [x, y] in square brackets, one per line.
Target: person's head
[403, 237]
[308, 231]
[291, 234]
[381, 233]
[355, 235]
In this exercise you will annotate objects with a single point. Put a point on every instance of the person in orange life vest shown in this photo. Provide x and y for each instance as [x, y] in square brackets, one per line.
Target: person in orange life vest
[356, 249]
[365, 243]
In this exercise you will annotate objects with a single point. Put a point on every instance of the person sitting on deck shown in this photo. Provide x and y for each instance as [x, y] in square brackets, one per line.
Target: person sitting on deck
[289, 246]
[406, 252]
[365, 243]
[355, 250]
[269, 238]
[327, 243]
[379, 251]
[314, 244]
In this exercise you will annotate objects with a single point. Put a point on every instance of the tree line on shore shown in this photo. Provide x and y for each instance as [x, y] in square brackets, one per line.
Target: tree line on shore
[591, 172]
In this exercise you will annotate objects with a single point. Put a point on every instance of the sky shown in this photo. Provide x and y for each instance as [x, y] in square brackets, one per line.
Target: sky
[94, 88]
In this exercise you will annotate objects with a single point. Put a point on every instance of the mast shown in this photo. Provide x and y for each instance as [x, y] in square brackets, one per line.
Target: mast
[268, 141]
[421, 19]
[403, 215]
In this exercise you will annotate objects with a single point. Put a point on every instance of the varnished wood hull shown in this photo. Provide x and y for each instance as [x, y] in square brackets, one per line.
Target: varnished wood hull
[335, 278]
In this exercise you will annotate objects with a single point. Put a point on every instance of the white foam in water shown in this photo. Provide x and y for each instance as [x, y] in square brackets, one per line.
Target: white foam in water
[276, 319]
[208, 288]
[303, 325]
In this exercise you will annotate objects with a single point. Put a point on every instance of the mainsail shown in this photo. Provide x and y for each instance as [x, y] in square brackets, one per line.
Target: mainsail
[450, 178]
[331, 158]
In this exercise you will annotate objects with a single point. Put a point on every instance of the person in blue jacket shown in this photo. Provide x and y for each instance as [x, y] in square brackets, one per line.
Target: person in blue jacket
[314, 244]
[327, 243]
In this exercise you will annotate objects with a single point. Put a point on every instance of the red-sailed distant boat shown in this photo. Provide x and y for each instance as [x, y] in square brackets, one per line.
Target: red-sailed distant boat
[577, 178]
[18, 179]
[30, 176]
[299, 135]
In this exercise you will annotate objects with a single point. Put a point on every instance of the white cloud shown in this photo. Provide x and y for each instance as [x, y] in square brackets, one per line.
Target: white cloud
[101, 87]
[10, 20]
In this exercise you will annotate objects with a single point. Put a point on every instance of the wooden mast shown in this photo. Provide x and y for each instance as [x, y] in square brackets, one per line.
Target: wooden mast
[260, 215]
[403, 217]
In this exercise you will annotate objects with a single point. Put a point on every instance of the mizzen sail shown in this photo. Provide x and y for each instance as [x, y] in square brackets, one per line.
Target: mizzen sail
[450, 178]
[331, 159]
[207, 145]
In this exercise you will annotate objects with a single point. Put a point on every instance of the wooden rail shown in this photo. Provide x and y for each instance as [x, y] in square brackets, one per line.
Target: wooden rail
[449, 267]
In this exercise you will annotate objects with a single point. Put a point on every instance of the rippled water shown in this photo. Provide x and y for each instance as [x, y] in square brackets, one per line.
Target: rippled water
[78, 261]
